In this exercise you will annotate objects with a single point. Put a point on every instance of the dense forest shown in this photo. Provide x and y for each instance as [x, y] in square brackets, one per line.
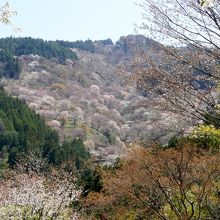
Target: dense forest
[28, 45]
[82, 45]
[22, 130]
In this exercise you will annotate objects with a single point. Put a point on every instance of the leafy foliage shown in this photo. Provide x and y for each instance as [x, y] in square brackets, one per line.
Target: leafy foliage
[173, 142]
[106, 42]
[207, 137]
[73, 150]
[11, 67]
[22, 130]
[28, 45]
[90, 181]
[82, 45]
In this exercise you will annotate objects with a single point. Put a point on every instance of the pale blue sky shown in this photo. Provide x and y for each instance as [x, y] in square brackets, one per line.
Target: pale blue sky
[74, 19]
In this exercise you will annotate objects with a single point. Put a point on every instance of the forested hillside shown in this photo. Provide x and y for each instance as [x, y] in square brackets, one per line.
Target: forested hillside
[87, 45]
[11, 48]
[23, 131]
[89, 99]
[31, 154]
[28, 45]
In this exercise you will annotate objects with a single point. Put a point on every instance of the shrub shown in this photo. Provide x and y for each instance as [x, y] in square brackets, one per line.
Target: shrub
[206, 136]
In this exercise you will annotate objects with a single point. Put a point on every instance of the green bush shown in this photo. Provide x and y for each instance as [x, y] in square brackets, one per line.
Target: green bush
[206, 136]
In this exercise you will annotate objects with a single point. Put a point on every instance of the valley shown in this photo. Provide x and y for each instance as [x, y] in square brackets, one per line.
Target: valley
[92, 98]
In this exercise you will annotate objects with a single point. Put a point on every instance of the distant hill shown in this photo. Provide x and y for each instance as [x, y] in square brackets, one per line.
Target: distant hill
[60, 51]
[11, 47]
[90, 98]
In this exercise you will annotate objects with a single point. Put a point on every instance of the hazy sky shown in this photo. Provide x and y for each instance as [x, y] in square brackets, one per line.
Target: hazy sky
[74, 19]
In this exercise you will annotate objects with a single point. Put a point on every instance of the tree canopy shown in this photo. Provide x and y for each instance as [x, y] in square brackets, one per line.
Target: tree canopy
[28, 45]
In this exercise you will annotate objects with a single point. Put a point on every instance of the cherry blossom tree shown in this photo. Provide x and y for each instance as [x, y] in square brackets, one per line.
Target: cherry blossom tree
[184, 73]
[6, 13]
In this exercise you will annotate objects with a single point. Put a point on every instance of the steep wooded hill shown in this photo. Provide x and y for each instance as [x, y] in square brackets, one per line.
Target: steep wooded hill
[91, 99]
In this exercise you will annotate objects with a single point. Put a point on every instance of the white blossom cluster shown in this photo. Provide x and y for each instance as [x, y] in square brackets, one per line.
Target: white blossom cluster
[6, 13]
[29, 196]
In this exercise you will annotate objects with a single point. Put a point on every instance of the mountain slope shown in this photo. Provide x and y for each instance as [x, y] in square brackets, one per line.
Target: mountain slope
[90, 98]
